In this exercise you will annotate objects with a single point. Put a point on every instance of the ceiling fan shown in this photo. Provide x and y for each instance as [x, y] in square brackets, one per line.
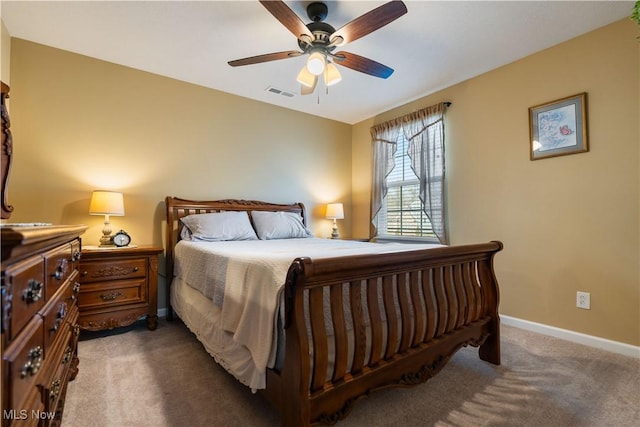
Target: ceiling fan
[318, 39]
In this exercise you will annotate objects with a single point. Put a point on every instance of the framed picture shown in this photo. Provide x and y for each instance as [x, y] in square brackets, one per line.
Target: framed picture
[558, 128]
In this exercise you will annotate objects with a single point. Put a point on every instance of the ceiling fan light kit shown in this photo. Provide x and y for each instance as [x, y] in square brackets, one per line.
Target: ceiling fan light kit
[318, 39]
[315, 63]
[306, 78]
[331, 75]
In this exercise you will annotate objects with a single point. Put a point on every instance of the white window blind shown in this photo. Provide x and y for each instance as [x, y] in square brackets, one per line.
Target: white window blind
[402, 212]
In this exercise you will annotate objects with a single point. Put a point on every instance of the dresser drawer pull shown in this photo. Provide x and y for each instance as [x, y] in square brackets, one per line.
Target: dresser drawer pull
[33, 364]
[76, 329]
[33, 292]
[61, 270]
[75, 291]
[62, 312]
[110, 297]
[67, 355]
[55, 390]
[135, 269]
[76, 255]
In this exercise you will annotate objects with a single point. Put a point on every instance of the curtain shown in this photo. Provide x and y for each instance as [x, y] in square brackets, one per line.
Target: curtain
[424, 130]
[383, 137]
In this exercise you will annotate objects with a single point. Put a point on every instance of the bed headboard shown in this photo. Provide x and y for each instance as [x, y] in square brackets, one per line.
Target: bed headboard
[178, 208]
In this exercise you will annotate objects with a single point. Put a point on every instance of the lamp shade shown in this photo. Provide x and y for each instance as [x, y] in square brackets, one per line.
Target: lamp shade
[335, 211]
[106, 203]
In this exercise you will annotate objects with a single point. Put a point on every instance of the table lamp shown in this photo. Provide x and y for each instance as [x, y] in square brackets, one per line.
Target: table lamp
[106, 203]
[335, 211]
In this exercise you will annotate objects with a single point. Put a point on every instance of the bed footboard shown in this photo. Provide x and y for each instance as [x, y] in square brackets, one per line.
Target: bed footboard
[375, 321]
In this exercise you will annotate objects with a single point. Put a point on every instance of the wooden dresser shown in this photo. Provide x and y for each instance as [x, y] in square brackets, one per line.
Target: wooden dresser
[39, 321]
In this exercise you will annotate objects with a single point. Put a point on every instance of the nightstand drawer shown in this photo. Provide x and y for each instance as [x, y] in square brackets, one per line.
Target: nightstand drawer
[25, 280]
[112, 294]
[94, 271]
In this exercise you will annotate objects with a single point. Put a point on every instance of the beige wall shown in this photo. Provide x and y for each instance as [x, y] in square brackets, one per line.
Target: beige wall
[81, 124]
[569, 223]
[5, 55]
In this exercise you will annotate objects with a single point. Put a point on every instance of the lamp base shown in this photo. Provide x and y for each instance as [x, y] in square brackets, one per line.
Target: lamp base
[334, 233]
[106, 240]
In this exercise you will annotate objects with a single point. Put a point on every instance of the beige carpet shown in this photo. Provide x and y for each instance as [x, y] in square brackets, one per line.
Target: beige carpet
[135, 377]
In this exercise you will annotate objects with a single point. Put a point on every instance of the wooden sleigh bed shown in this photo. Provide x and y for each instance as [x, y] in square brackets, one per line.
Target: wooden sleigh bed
[394, 319]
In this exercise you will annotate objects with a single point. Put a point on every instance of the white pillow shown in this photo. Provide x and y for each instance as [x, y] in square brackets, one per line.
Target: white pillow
[218, 226]
[279, 225]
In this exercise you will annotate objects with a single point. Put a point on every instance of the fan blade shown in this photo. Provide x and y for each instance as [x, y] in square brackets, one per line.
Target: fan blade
[362, 64]
[264, 58]
[370, 21]
[287, 17]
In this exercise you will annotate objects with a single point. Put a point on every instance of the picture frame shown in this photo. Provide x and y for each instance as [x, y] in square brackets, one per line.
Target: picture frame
[558, 128]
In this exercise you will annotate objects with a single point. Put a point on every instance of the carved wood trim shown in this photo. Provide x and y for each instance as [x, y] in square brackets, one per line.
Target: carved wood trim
[110, 271]
[7, 153]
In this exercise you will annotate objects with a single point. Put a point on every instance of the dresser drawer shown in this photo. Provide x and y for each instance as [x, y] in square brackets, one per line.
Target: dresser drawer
[25, 281]
[24, 358]
[56, 313]
[121, 292]
[59, 265]
[28, 414]
[113, 269]
[55, 380]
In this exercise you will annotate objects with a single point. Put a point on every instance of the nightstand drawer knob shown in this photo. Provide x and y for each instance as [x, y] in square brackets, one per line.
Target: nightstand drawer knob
[136, 269]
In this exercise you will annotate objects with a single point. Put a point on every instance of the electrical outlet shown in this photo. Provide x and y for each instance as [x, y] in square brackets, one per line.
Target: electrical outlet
[583, 300]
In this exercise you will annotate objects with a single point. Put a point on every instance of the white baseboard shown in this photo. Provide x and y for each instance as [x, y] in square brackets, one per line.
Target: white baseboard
[162, 312]
[601, 343]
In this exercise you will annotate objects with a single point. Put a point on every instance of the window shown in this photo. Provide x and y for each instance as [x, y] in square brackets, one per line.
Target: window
[402, 212]
[407, 200]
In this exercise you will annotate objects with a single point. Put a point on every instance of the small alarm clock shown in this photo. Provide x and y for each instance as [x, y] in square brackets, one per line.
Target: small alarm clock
[121, 239]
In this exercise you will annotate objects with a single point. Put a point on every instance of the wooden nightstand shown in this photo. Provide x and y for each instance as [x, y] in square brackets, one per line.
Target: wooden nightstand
[118, 286]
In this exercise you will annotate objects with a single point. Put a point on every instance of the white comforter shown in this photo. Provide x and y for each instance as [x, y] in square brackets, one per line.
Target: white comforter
[246, 278]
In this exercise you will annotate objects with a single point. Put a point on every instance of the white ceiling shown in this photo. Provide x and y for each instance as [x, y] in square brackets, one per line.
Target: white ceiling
[435, 45]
